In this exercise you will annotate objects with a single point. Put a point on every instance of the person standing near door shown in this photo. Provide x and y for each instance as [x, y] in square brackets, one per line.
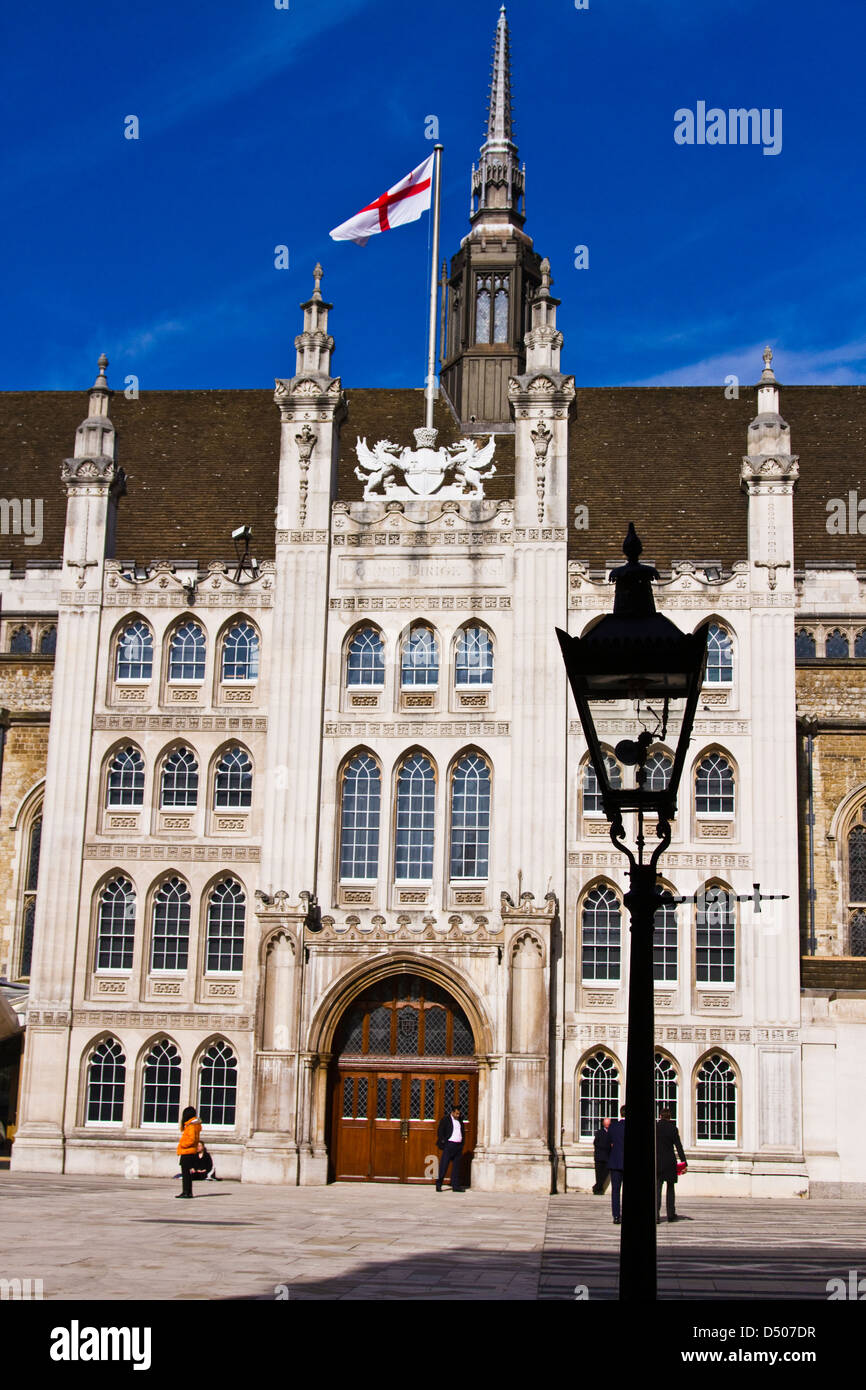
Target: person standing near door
[449, 1138]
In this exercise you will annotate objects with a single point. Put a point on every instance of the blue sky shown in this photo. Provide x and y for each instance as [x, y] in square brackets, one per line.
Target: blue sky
[261, 127]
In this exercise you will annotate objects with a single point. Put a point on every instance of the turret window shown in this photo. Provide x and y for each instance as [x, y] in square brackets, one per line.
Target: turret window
[491, 308]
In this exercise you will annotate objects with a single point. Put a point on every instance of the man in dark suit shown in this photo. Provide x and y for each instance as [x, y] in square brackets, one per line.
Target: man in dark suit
[601, 1147]
[449, 1138]
[668, 1145]
[616, 1163]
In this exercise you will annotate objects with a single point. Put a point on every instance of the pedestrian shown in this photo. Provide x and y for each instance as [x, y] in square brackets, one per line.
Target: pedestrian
[188, 1147]
[203, 1166]
[601, 1147]
[616, 1163]
[668, 1145]
[449, 1138]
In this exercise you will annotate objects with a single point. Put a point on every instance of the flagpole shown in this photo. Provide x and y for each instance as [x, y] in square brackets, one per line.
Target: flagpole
[431, 341]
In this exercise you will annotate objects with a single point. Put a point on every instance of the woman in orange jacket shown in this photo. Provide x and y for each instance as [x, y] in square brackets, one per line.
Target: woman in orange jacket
[188, 1147]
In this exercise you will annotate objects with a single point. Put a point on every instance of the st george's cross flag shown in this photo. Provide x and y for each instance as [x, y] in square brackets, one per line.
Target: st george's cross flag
[405, 202]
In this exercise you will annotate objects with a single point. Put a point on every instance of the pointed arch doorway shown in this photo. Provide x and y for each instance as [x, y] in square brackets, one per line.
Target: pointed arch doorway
[403, 1056]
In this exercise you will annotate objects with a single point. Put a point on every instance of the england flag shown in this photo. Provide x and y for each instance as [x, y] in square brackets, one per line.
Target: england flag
[405, 202]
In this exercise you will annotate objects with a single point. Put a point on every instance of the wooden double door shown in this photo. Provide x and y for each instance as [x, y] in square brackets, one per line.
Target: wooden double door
[384, 1121]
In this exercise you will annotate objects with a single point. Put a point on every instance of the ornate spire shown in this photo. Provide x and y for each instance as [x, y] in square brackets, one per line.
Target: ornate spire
[498, 182]
[315, 345]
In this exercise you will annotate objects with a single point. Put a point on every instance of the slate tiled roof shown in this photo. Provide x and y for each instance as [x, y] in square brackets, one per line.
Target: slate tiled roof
[201, 462]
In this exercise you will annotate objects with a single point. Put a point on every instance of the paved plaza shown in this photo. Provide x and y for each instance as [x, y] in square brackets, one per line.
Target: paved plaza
[93, 1238]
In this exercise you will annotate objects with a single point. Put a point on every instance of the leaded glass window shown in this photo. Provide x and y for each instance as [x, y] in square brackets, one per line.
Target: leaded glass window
[860, 643]
[665, 944]
[470, 818]
[171, 915]
[359, 820]
[658, 768]
[436, 1033]
[491, 290]
[365, 660]
[420, 661]
[405, 1016]
[126, 778]
[28, 906]
[715, 937]
[483, 287]
[500, 309]
[804, 643]
[714, 786]
[601, 935]
[380, 1030]
[241, 654]
[407, 1031]
[598, 1093]
[716, 1101]
[666, 1085]
[115, 937]
[456, 1095]
[160, 1100]
[720, 656]
[187, 654]
[858, 934]
[836, 644]
[857, 864]
[135, 653]
[416, 804]
[463, 1043]
[592, 803]
[474, 658]
[21, 642]
[106, 1083]
[233, 784]
[179, 779]
[225, 928]
[48, 641]
[218, 1085]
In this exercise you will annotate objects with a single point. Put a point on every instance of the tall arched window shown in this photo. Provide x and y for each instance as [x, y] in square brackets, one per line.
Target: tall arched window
[601, 935]
[187, 653]
[500, 308]
[420, 661]
[28, 902]
[474, 657]
[599, 1093]
[171, 913]
[665, 944]
[470, 818]
[365, 659]
[233, 784]
[115, 929]
[666, 1085]
[860, 643]
[716, 1100]
[240, 653]
[857, 890]
[720, 656]
[592, 804]
[21, 642]
[483, 287]
[416, 805]
[804, 644]
[658, 768]
[714, 786]
[226, 915]
[160, 1095]
[360, 809]
[126, 778]
[179, 783]
[48, 641]
[715, 937]
[218, 1085]
[106, 1083]
[837, 644]
[135, 653]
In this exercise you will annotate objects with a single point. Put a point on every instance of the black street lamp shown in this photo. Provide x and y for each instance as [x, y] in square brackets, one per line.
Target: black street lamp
[636, 654]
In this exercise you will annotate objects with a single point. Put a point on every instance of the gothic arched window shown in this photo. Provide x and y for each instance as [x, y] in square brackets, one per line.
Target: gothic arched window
[226, 915]
[716, 1100]
[126, 778]
[218, 1085]
[474, 657]
[106, 1083]
[48, 641]
[28, 903]
[233, 784]
[665, 944]
[135, 653]
[179, 785]
[483, 287]
[171, 914]
[720, 656]
[21, 642]
[470, 818]
[837, 644]
[365, 659]
[115, 930]
[240, 660]
[715, 937]
[666, 1085]
[599, 1093]
[420, 661]
[857, 891]
[500, 309]
[714, 786]
[860, 643]
[601, 935]
[160, 1096]
[360, 809]
[658, 767]
[187, 653]
[804, 644]
[592, 804]
[416, 805]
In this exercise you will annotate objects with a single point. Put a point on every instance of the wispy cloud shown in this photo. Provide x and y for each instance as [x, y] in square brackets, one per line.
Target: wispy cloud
[844, 365]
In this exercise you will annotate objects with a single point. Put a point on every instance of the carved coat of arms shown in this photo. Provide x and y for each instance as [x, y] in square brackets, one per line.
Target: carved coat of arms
[401, 474]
